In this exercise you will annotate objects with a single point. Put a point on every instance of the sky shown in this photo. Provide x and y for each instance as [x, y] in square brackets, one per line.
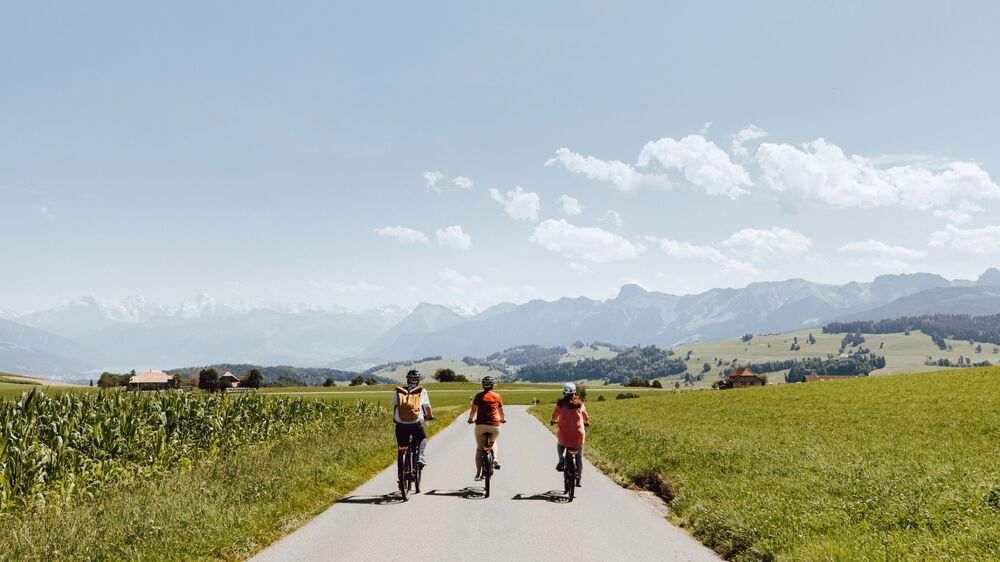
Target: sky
[466, 153]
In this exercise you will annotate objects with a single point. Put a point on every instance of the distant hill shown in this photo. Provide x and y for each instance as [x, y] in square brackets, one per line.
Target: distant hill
[307, 375]
[36, 352]
[952, 300]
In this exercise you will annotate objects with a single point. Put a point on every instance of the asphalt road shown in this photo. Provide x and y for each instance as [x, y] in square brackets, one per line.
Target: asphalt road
[525, 517]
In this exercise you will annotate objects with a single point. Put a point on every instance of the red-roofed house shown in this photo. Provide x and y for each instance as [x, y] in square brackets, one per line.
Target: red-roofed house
[742, 377]
[228, 379]
[150, 380]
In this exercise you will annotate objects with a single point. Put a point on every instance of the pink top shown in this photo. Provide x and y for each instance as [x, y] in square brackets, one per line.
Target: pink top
[571, 432]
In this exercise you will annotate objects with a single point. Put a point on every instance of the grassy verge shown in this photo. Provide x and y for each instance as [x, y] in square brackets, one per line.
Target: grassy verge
[896, 468]
[225, 509]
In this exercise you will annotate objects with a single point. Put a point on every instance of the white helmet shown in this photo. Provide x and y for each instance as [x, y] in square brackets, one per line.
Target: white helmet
[569, 388]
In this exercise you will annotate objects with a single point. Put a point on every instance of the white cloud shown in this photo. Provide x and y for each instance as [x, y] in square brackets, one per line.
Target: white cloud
[581, 242]
[703, 163]
[954, 216]
[454, 237]
[45, 212]
[518, 204]
[623, 176]
[879, 254]
[820, 171]
[774, 243]
[432, 178]
[403, 234]
[614, 218]
[569, 205]
[459, 279]
[985, 240]
[462, 182]
[739, 141]
[687, 250]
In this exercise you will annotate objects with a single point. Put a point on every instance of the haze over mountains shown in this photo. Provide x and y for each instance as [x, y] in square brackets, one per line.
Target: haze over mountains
[89, 335]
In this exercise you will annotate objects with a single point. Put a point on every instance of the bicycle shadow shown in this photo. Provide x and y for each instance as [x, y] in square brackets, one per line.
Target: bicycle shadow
[385, 499]
[554, 496]
[469, 493]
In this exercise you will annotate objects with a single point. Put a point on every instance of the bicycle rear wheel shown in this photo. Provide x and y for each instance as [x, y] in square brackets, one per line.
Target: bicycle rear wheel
[401, 469]
[487, 470]
[416, 478]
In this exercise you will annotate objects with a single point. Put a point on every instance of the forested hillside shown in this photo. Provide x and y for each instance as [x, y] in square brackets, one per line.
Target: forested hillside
[938, 326]
[646, 362]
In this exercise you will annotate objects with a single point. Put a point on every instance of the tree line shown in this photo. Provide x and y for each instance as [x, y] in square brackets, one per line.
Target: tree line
[644, 362]
[937, 326]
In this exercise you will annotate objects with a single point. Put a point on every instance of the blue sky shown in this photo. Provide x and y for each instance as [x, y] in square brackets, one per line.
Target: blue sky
[275, 153]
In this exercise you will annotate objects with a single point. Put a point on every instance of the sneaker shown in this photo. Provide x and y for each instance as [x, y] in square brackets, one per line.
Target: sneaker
[560, 466]
[496, 465]
[478, 478]
[421, 461]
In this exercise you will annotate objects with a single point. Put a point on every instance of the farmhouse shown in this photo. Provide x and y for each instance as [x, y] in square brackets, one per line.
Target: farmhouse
[228, 379]
[150, 380]
[742, 377]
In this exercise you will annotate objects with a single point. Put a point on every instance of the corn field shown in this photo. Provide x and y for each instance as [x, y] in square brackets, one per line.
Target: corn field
[56, 448]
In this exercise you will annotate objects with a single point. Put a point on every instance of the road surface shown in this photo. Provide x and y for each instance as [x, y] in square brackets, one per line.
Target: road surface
[523, 519]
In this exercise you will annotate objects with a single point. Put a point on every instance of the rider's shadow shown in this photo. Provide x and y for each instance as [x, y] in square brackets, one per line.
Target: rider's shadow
[554, 496]
[387, 499]
[470, 493]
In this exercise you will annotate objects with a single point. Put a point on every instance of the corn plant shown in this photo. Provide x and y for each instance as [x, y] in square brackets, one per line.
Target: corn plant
[55, 448]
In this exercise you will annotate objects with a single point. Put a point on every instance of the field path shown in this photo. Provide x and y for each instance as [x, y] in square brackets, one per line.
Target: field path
[521, 520]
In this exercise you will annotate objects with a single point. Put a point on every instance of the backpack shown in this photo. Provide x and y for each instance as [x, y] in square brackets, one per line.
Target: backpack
[408, 403]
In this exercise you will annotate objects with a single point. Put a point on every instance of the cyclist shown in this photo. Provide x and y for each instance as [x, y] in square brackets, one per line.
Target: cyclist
[571, 415]
[487, 414]
[411, 406]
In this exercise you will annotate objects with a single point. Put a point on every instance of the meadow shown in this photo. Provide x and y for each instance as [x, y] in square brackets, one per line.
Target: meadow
[874, 468]
[903, 354]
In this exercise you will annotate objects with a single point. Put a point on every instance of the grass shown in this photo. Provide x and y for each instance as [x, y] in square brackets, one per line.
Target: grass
[227, 509]
[876, 468]
[450, 394]
[903, 354]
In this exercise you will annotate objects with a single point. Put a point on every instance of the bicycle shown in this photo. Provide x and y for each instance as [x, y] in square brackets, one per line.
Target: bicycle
[571, 472]
[408, 469]
[486, 454]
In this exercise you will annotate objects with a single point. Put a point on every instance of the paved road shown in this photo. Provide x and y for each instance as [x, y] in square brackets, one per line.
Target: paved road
[522, 519]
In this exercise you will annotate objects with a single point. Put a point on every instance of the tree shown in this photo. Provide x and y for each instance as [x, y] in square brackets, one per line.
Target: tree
[811, 339]
[208, 380]
[656, 384]
[329, 382]
[111, 380]
[677, 385]
[444, 375]
[175, 381]
[706, 367]
[581, 391]
[358, 381]
[461, 378]
[747, 337]
[371, 381]
[979, 348]
[91, 382]
[252, 379]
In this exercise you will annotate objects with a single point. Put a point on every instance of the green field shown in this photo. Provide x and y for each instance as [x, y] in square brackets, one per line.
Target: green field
[874, 468]
[903, 354]
[451, 394]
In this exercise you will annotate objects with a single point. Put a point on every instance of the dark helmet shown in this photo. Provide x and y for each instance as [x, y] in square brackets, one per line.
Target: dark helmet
[414, 376]
[488, 381]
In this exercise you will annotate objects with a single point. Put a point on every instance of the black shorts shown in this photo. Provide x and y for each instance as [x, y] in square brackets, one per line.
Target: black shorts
[407, 431]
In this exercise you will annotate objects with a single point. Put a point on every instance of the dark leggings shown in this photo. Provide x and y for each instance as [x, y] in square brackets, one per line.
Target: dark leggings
[412, 435]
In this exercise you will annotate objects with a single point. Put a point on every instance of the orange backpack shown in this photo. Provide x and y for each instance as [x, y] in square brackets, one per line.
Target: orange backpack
[408, 403]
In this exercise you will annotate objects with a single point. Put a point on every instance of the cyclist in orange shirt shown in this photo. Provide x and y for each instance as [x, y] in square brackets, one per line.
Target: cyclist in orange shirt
[487, 414]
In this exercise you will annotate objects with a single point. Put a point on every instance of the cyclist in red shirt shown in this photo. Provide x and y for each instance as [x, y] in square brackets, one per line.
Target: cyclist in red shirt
[571, 415]
[487, 414]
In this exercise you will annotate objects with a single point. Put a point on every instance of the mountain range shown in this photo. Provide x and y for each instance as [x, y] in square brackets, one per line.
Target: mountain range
[89, 335]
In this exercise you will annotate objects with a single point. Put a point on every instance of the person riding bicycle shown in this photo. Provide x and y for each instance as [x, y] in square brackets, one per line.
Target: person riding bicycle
[571, 415]
[409, 405]
[487, 414]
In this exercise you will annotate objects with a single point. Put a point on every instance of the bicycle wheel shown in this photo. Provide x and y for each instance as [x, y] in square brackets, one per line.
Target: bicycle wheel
[416, 478]
[409, 470]
[487, 470]
[401, 469]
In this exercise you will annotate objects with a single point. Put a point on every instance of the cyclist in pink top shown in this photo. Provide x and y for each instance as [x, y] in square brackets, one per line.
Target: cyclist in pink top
[571, 415]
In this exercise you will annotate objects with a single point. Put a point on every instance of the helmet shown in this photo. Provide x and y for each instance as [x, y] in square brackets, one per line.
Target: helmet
[413, 376]
[488, 381]
[569, 388]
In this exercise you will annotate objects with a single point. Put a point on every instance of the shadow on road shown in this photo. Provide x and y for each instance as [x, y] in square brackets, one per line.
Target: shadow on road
[469, 493]
[554, 496]
[387, 499]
